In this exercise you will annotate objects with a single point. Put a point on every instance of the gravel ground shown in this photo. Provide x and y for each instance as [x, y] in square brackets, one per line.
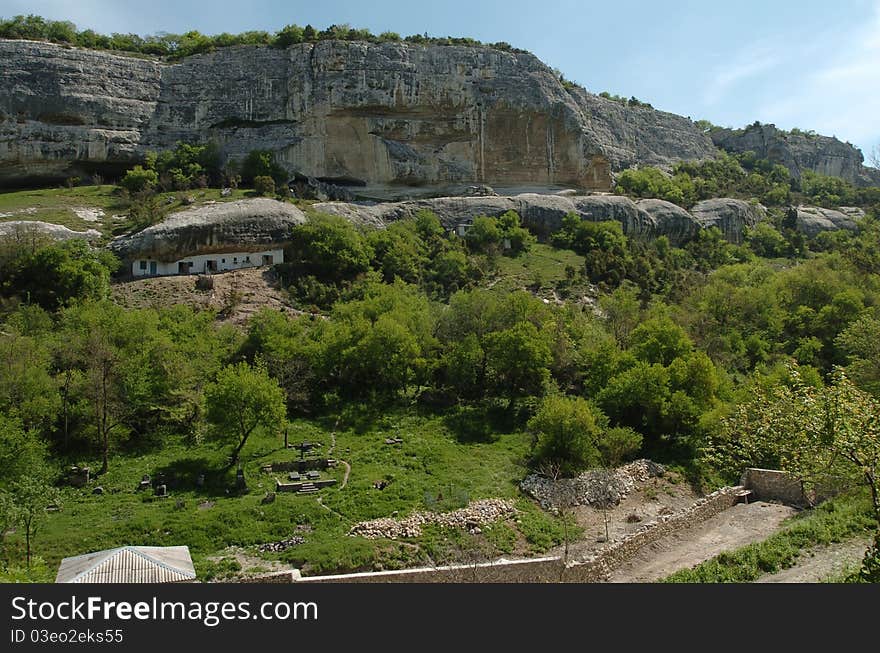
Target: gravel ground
[821, 563]
[740, 525]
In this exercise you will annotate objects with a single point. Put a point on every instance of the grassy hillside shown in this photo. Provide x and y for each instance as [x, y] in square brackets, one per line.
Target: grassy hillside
[94, 207]
[443, 463]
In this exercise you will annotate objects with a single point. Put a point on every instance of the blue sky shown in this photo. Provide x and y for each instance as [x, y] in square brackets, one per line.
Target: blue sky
[812, 64]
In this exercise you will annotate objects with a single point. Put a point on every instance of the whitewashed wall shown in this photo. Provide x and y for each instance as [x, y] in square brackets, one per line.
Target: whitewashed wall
[222, 262]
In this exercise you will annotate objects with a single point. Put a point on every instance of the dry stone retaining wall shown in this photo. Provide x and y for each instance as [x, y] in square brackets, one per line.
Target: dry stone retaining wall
[552, 569]
[775, 485]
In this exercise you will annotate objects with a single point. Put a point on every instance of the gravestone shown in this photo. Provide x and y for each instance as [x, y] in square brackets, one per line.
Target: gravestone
[145, 483]
[78, 476]
[98, 490]
[161, 490]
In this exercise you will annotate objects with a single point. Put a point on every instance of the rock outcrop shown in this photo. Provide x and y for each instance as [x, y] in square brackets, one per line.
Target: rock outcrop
[731, 216]
[543, 214]
[240, 226]
[33, 231]
[670, 220]
[800, 151]
[813, 220]
[390, 119]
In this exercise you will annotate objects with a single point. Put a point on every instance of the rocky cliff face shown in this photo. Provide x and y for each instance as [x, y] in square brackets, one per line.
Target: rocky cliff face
[799, 152]
[388, 117]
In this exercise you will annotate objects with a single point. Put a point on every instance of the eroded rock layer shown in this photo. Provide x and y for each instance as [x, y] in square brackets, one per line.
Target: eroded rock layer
[393, 116]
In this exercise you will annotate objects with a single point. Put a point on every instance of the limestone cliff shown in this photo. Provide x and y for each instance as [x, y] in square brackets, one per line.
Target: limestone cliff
[391, 118]
[800, 151]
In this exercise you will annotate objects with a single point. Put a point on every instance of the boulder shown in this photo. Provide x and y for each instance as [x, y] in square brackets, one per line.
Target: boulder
[731, 216]
[813, 220]
[240, 226]
[671, 220]
[600, 208]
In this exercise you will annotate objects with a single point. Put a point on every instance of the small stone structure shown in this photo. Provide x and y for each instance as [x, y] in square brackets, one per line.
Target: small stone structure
[78, 476]
[776, 485]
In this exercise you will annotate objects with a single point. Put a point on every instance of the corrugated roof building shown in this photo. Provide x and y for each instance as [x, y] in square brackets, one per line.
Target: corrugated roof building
[130, 564]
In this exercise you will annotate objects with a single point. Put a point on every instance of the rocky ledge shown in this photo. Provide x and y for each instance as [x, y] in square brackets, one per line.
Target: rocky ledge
[543, 214]
[27, 231]
[240, 226]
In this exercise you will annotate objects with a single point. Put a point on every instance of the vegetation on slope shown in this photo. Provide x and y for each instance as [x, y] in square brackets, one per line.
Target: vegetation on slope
[419, 334]
[178, 46]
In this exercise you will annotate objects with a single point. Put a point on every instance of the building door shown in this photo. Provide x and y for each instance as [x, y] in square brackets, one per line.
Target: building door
[153, 268]
[210, 266]
[267, 259]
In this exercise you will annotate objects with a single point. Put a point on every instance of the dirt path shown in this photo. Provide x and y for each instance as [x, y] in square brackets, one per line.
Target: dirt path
[346, 475]
[736, 527]
[820, 563]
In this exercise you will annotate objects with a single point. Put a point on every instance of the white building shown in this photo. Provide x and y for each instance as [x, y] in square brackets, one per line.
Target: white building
[206, 263]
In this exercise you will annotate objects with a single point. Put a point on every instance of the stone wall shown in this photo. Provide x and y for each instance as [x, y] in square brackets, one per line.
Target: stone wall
[600, 566]
[775, 485]
[551, 569]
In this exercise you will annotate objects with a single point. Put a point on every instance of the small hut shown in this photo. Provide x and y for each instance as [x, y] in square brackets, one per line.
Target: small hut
[130, 564]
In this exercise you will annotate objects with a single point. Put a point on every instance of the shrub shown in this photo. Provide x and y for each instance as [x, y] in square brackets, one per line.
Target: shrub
[264, 185]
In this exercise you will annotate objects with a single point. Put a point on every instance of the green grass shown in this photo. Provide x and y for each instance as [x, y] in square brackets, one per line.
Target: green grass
[833, 521]
[438, 466]
[57, 205]
[542, 267]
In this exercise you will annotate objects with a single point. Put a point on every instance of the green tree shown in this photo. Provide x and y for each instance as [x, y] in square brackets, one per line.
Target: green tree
[139, 179]
[568, 430]
[660, 340]
[22, 453]
[518, 360]
[31, 496]
[55, 275]
[242, 399]
[261, 163]
[860, 342]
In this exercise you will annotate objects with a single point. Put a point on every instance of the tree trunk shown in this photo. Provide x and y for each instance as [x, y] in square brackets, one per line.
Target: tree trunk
[27, 539]
[237, 452]
[105, 449]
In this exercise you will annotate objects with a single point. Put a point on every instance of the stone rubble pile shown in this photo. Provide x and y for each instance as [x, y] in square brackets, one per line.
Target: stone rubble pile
[281, 545]
[471, 517]
[590, 487]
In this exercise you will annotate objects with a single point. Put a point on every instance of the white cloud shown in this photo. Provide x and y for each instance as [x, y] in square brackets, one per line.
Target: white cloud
[840, 93]
[751, 62]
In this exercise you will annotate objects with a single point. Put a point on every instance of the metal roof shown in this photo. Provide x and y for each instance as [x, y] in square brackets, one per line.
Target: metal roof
[129, 564]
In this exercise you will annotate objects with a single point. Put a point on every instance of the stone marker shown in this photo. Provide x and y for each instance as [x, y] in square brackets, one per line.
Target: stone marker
[161, 490]
[98, 490]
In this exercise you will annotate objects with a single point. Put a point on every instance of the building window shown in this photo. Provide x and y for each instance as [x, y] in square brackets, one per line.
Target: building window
[224, 260]
[247, 259]
[143, 265]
